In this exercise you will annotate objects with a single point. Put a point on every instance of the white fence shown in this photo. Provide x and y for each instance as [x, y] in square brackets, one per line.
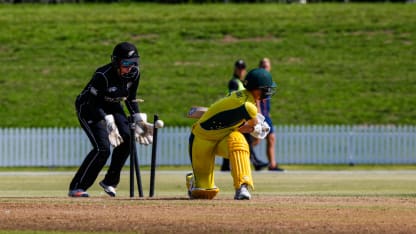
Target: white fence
[294, 145]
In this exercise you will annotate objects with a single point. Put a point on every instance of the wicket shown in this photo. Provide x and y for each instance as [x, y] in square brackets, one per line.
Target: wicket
[153, 163]
[134, 162]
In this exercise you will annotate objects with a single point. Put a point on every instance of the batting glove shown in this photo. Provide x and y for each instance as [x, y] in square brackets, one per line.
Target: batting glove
[113, 134]
[143, 130]
[261, 129]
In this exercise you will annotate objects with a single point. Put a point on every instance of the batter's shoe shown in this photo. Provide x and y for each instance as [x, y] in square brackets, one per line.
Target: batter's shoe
[198, 193]
[78, 193]
[242, 193]
[110, 190]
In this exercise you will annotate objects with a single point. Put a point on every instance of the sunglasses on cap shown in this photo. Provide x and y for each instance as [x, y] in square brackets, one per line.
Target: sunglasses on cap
[128, 63]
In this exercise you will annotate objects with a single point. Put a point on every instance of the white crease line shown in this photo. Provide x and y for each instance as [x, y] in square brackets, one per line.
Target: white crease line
[168, 172]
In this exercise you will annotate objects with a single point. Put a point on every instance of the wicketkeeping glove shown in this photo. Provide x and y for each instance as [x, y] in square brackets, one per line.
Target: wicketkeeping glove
[261, 129]
[143, 130]
[113, 134]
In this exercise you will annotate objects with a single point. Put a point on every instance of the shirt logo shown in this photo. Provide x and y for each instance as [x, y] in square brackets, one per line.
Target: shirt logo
[94, 91]
[115, 100]
[112, 89]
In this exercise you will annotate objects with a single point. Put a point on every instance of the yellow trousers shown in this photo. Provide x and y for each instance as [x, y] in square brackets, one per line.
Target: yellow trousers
[233, 146]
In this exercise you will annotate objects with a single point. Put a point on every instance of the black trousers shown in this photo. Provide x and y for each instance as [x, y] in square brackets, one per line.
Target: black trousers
[98, 156]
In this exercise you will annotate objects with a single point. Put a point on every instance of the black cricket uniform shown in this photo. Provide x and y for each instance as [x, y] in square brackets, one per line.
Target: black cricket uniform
[103, 96]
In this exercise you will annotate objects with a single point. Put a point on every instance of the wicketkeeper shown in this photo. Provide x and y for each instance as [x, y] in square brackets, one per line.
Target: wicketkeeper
[220, 130]
[103, 119]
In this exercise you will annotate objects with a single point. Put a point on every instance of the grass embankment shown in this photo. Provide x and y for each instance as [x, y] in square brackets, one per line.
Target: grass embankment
[334, 64]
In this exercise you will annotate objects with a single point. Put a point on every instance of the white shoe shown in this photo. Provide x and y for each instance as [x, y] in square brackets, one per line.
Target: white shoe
[242, 193]
[110, 190]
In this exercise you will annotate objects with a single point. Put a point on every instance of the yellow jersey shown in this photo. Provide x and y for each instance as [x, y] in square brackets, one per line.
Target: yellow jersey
[226, 115]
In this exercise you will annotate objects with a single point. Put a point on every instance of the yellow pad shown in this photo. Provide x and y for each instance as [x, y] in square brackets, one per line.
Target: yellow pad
[197, 193]
[239, 155]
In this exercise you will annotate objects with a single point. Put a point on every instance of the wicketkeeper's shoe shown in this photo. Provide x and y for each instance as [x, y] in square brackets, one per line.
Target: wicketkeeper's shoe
[110, 190]
[242, 193]
[78, 193]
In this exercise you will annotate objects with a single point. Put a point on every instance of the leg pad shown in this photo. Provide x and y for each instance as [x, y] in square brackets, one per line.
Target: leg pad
[239, 155]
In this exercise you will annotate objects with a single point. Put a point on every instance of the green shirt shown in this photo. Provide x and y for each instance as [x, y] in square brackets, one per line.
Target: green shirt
[235, 84]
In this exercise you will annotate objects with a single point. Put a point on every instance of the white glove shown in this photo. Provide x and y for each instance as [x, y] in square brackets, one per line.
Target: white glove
[261, 129]
[143, 130]
[113, 134]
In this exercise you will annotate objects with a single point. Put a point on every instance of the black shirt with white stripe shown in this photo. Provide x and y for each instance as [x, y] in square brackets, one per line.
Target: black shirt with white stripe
[105, 92]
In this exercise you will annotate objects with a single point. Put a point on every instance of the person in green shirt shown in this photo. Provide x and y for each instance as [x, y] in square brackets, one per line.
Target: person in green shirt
[236, 84]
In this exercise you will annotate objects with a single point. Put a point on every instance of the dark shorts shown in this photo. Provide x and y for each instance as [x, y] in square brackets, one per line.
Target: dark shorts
[269, 121]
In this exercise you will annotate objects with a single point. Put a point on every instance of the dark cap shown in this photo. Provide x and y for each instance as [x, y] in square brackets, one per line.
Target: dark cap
[125, 50]
[258, 78]
[240, 64]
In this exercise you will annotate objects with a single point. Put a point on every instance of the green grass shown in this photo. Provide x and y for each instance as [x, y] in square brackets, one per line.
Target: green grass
[171, 183]
[334, 63]
[289, 167]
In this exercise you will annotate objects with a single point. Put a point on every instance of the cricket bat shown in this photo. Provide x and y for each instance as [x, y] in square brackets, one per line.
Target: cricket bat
[196, 112]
